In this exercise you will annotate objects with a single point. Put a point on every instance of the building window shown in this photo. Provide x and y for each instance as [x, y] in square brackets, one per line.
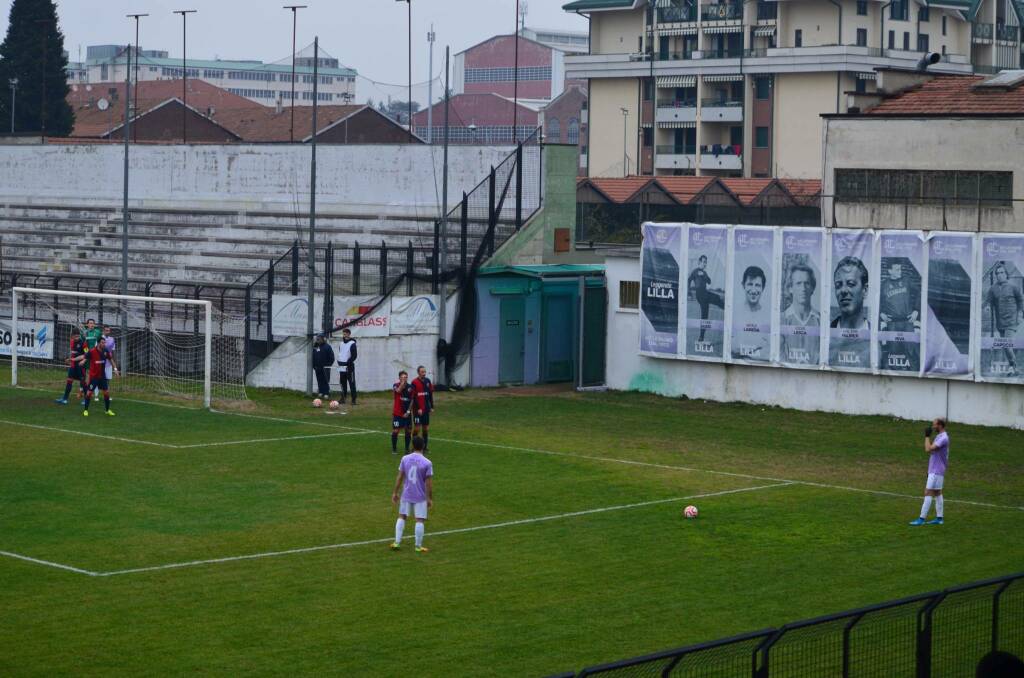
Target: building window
[922, 42]
[762, 88]
[503, 74]
[923, 14]
[648, 89]
[943, 24]
[892, 39]
[898, 10]
[906, 41]
[862, 37]
[798, 38]
[861, 86]
[554, 131]
[629, 294]
[862, 7]
[989, 189]
[573, 134]
[761, 137]
[648, 136]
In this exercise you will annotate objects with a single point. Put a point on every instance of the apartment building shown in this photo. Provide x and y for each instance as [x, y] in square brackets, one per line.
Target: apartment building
[265, 83]
[737, 88]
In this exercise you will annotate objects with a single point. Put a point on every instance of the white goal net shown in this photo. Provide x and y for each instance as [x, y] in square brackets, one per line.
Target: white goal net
[176, 349]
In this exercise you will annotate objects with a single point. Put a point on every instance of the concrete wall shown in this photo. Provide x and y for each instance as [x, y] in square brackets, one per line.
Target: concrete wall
[800, 99]
[607, 98]
[393, 180]
[910, 143]
[906, 398]
[616, 32]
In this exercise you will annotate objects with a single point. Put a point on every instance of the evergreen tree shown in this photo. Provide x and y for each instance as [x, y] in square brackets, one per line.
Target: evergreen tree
[33, 52]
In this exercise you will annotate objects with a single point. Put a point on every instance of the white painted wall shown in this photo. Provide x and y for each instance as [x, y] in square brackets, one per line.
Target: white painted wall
[397, 180]
[906, 398]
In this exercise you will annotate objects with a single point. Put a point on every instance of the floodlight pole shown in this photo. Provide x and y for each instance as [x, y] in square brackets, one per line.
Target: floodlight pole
[442, 313]
[311, 253]
[430, 87]
[136, 102]
[184, 73]
[295, 9]
[126, 132]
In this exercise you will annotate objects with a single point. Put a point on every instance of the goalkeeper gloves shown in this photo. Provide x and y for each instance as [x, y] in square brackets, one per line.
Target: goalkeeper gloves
[928, 432]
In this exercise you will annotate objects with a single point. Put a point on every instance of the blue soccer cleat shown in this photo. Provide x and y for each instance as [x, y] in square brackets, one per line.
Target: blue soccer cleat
[917, 521]
[61, 401]
[935, 521]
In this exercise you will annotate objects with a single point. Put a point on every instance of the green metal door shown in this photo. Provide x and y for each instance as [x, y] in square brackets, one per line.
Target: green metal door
[510, 340]
[557, 323]
[594, 330]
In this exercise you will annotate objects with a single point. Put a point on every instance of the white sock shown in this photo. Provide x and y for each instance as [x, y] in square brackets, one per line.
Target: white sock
[926, 506]
[419, 534]
[399, 529]
[938, 506]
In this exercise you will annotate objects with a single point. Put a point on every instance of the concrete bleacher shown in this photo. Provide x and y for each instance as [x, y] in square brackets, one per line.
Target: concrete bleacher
[183, 245]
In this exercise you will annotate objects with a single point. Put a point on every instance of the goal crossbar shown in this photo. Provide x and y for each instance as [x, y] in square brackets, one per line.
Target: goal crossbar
[205, 304]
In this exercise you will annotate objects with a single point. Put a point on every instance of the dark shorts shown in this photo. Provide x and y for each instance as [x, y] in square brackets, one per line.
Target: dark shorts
[100, 383]
[76, 373]
[399, 422]
[422, 419]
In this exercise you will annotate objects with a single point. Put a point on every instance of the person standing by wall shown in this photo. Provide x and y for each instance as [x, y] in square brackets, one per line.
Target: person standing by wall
[323, 358]
[347, 354]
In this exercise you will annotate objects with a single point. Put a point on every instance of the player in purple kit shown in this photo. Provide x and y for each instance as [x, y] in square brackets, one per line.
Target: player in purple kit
[938, 456]
[415, 481]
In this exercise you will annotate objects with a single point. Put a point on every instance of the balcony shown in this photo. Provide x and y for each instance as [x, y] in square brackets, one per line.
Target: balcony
[982, 32]
[721, 157]
[721, 110]
[670, 15]
[726, 11]
[675, 56]
[1007, 33]
[676, 157]
[767, 11]
[683, 110]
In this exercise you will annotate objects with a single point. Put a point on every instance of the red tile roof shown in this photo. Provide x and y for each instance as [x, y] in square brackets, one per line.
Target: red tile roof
[482, 110]
[685, 189]
[262, 123]
[619, 190]
[804, 191]
[953, 95]
[747, 190]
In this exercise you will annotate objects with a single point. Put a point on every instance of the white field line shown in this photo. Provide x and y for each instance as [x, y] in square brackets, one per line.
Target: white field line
[86, 433]
[47, 563]
[272, 440]
[385, 540]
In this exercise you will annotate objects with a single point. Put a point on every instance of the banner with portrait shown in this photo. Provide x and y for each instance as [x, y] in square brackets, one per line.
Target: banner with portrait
[753, 253]
[707, 270]
[849, 285]
[948, 310]
[1002, 309]
[659, 289]
[800, 301]
[900, 288]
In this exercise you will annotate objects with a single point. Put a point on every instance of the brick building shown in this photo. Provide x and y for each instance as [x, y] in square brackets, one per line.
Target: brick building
[489, 67]
[565, 121]
[479, 119]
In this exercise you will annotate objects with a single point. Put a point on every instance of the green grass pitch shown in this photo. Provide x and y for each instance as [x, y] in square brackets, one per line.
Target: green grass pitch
[154, 508]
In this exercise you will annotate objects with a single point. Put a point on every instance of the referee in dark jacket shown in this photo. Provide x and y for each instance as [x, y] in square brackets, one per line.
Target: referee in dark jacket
[323, 359]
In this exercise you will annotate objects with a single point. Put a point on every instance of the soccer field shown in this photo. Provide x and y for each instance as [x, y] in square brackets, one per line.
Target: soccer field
[168, 540]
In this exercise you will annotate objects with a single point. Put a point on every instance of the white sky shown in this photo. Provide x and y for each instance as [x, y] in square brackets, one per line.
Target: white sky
[368, 35]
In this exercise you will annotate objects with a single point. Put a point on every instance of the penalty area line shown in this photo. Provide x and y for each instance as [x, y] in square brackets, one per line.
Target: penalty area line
[47, 563]
[86, 433]
[459, 530]
[255, 441]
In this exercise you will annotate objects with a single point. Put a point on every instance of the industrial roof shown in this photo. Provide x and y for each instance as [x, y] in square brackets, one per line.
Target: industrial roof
[956, 95]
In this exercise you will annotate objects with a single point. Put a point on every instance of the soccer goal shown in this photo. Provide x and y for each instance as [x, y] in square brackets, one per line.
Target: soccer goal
[177, 349]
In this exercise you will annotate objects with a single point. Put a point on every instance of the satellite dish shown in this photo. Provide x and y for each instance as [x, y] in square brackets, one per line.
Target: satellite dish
[103, 104]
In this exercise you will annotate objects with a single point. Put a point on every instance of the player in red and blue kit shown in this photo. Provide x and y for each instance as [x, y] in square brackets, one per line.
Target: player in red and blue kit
[401, 410]
[76, 367]
[423, 405]
[98, 358]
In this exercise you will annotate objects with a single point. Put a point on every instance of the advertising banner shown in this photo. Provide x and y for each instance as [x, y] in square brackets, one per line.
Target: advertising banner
[348, 310]
[415, 315]
[849, 337]
[800, 302]
[706, 289]
[34, 340]
[659, 289]
[900, 281]
[948, 311]
[752, 271]
[288, 313]
[1002, 308]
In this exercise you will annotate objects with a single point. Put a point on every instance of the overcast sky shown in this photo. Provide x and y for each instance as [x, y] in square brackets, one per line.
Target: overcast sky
[368, 35]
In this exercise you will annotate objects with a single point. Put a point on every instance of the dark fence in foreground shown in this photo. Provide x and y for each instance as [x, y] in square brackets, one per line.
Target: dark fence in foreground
[935, 635]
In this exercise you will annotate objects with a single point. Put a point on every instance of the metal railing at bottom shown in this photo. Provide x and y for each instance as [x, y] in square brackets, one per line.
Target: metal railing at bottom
[944, 633]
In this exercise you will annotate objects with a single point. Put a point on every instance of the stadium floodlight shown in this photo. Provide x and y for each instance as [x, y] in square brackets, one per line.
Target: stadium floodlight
[168, 348]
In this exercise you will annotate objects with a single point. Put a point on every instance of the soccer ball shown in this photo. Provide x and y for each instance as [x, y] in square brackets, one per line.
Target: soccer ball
[334, 405]
[317, 402]
[690, 512]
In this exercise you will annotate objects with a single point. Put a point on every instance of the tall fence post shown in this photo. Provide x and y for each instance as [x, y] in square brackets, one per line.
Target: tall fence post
[519, 187]
[995, 614]
[383, 268]
[435, 266]
[492, 216]
[149, 333]
[408, 267]
[248, 337]
[355, 269]
[463, 230]
[295, 269]
[328, 310]
[270, 306]
[924, 637]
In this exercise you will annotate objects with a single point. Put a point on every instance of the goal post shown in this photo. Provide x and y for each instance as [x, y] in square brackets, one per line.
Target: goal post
[157, 341]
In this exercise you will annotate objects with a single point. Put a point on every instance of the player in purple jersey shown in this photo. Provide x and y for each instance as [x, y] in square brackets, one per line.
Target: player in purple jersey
[938, 456]
[415, 481]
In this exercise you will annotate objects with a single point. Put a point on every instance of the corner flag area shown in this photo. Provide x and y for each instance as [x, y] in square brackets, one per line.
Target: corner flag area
[170, 539]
